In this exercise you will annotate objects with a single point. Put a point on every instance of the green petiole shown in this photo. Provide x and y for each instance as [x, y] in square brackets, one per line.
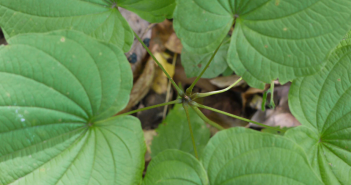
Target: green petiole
[202, 95]
[203, 117]
[190, 89]
[186, 106]
[238, 117]
[142, 109]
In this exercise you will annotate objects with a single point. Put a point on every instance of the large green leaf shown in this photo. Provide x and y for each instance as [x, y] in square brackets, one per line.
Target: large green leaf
[243, 156]
[175, 134]
[322, 103]
[272, 39]
[194, 63]
[97, 18]
[150, 10]
[174, 167]
[54, 88]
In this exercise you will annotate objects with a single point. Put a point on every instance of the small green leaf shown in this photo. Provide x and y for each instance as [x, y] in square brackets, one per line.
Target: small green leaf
[322, 104]
[150, 10]
[54, 88]
[243, 156]
[194, 63]
[175, 134]
[269, 40]
[174, 167]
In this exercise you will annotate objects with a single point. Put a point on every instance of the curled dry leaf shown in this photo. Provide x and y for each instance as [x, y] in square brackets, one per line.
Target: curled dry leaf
[141, 27]
[174, 44]
[148, 136]
[142, 86]
[160, 35]
[160, 82]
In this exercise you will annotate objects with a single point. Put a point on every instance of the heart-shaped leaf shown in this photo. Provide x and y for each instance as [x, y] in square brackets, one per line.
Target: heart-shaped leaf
[97, 18]
[56, 92]
[271, 39]
[175, 134]
[322, 103]
[194, 63]
[243, 156]
[174, 167]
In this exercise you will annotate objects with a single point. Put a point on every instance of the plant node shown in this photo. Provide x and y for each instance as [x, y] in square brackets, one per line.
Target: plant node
[186, 99]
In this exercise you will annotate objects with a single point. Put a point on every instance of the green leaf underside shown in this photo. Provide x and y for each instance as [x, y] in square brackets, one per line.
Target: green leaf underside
[53, 88]
[175, 133]
[270, 40]
[97, 18]
[194, 63]
[322, 104]
[174, 167]
[243, 156]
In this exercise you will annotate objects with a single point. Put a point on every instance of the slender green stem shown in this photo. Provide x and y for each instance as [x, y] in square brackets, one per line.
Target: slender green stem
[272, 104]
[142, 109]
[190, 128]
[168, 94]
[190, 89]
[238, 117]
[180, 91]
[203, 117]
[201, 95]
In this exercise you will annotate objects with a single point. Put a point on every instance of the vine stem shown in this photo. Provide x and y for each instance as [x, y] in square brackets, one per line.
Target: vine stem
[203, 117]
[180, 91]
[186, 106]
[202, 95]
[169, 89]
[142, 36]
[142, 109]
[190, 89]
[237, 117]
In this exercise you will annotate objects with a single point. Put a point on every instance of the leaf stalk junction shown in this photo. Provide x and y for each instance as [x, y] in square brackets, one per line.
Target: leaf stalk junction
[187, 99]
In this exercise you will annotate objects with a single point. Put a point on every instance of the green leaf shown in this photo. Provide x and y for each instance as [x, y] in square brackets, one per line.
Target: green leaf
[150, 10]
[269, 40]
[227, 72]
[98, 18]
[194, 63]
[322, 104]
[243, 156]
[174, 167]
[175, 134]
[54, 89]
